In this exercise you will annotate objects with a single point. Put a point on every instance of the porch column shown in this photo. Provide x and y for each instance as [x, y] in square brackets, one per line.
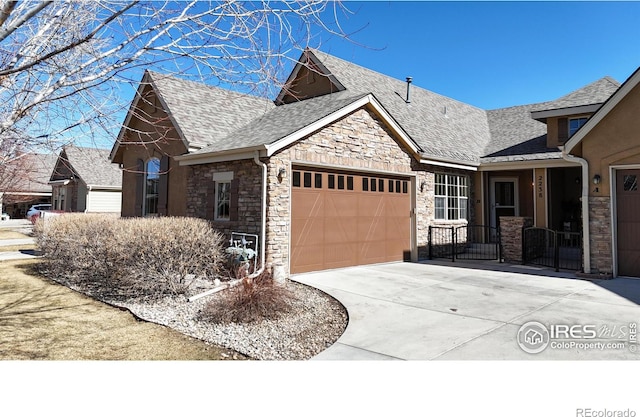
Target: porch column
[540, 197]
[511, 237]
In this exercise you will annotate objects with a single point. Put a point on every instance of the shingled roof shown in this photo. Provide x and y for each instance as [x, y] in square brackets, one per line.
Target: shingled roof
[91, 165]
[441, 126]
[516, 136]
[444, 129]
[206, 114]
[281, 122]
[29, 174]
[595, 93]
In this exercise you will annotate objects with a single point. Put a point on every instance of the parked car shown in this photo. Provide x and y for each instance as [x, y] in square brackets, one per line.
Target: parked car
[36, 209]
[5, 216]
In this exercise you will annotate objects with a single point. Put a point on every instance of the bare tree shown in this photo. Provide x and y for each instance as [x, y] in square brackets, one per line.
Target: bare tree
[64, 65]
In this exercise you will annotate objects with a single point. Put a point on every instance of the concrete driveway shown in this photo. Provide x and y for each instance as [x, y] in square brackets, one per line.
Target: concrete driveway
[437, 311]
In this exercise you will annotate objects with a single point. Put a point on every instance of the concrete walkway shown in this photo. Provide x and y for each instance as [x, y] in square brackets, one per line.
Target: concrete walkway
[21, 226]
[412, 311]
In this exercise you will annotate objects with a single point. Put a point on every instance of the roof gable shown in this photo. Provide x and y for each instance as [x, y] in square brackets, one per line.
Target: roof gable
[201, 114]
[90, 165]
[602, 112]
[586, 99]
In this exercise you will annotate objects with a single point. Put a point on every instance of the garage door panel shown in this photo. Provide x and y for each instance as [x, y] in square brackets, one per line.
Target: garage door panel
[339, 255]
[361, 223]
[307, 204]
[373, 252]
[371, 229]
[628, 222]
[370, 205]
[341, 205]
[311, 231]
[340, 230]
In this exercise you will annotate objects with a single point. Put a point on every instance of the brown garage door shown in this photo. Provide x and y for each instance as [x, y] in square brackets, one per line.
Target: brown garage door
[628, 219]
[343, 219]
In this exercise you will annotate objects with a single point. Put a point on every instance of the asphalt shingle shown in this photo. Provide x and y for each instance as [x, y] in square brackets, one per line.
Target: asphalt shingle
[441, 126]
[92, 166]
[595, 93]
[206, 114]
[282, 121]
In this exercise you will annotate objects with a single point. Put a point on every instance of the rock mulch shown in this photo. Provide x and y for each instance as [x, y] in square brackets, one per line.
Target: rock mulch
[315, 323]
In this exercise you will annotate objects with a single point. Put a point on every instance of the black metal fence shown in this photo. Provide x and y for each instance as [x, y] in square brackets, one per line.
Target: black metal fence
[546, 247]
[472, 242]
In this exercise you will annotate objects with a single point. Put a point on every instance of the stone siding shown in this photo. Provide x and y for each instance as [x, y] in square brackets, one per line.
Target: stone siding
[511, 237]
[600, 235]
[249, 199]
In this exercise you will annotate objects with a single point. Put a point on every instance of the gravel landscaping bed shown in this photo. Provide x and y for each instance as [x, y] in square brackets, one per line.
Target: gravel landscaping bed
[315, 323]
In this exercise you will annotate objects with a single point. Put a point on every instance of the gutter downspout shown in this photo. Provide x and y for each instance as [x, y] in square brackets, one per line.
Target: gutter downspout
[585, 208]
[263, 239]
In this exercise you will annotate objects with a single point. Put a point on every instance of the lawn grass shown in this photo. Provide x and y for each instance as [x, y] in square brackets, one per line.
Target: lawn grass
[10, 234]
[42, 320]
[16, 248]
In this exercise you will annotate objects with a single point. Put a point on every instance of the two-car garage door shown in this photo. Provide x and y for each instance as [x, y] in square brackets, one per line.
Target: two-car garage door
[343, 219]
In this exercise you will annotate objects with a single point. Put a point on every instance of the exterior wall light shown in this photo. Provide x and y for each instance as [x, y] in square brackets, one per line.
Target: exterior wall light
[423, 185]
[597, 179]
[282, 172]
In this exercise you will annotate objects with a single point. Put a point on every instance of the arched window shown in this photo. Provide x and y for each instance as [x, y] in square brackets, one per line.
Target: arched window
[152, 181]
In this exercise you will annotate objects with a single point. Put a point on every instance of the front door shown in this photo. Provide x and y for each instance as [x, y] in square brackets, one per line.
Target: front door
[503, 199]
[628, 221]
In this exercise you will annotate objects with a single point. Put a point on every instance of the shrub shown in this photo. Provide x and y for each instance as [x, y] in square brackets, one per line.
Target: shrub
[254, 299]
[134, 256]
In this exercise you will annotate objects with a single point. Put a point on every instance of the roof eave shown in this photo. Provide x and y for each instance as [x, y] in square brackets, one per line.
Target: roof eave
[367, 100]
[542, 115]
[608, 105]
[220, 156]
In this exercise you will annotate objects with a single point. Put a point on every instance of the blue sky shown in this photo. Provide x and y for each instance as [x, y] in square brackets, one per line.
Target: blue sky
[495, 54]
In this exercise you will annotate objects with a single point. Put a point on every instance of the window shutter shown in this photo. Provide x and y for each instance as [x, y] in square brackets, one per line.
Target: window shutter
[563, 129]
[139, 187]
[163, 186]
[211, 200]
[233, 203]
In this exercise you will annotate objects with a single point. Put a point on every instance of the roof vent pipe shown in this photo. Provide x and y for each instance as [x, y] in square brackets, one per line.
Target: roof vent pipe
[408, 99]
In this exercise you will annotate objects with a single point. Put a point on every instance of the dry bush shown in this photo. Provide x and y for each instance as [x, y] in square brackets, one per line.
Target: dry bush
[132, 257]
[254, 299]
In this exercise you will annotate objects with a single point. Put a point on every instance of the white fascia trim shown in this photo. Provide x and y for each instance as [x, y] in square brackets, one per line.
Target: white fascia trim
[566, 111]
[59, 182]
[319, 124]
[448, 164]
[209, 158]
[95, 187]
[617, 97]
[27, 193]
[518, 165]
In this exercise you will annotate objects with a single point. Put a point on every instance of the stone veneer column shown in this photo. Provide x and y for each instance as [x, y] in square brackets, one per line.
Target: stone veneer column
[511, 237]
[600, 234]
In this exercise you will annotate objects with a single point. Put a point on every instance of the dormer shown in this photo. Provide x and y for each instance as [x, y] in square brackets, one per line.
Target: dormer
[310, 78]
[567, 114]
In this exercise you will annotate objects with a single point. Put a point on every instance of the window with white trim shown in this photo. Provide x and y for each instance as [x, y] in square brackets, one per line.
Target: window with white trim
[575, 124]
[223, 201]
[451, 196]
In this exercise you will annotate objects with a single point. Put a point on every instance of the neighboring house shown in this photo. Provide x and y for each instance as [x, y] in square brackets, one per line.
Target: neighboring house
[83, 180]
[24, 182]
[352, 167]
